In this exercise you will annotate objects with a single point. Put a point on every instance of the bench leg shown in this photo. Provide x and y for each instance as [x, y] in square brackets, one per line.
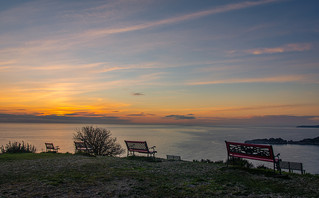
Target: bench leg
[227, 160]
[277, 166]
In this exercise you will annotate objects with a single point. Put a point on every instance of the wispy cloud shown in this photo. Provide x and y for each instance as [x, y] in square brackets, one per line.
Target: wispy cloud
[109, 67]
[262, 107]
[5, 63]
[137, 114]
[181, 117]
[72, 118]
[62, 43]
[274, 79]
[101, 58]
[191, 16]
[138, 94]
[52, 67]
[293, 47]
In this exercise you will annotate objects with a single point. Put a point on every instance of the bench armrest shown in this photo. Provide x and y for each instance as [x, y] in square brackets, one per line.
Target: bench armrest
[153, 147]
[277, 157]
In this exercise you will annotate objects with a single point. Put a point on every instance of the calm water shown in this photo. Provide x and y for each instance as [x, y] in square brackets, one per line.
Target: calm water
[190, 142]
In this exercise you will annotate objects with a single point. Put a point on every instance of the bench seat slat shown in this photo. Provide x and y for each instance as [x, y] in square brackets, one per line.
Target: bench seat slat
[141, 151]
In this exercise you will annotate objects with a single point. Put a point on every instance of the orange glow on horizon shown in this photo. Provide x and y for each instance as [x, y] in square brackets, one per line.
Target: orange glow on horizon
[193, 65]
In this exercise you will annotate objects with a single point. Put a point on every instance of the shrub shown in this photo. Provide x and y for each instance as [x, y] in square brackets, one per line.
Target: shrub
[240, 162]
[99, 140]
[219, 162]
[17, 147]
[262, 167]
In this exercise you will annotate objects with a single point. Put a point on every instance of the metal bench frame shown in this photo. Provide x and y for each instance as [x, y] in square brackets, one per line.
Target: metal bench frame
[253, 152]
[140, 147]
[49, 147]
[291, 166]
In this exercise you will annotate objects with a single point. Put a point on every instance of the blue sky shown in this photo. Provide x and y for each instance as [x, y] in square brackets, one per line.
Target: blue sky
[193, 62]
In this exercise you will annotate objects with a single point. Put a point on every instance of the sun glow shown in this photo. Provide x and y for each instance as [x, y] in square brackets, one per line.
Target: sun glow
[198, 63]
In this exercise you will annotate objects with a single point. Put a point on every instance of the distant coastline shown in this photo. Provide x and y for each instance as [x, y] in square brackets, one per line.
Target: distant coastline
[308, 141]
[308, 126]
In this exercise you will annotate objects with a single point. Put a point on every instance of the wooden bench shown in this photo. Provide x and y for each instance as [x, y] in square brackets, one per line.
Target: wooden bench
[49, 147]
[82, 147]
[291, 166]
[253, 152]
[140, 147]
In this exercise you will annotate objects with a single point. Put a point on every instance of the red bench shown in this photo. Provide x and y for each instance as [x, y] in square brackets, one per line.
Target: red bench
[140, 147]
[253, 152]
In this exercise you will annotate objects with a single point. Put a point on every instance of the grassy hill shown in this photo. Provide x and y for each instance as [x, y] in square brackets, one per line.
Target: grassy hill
[67, 175]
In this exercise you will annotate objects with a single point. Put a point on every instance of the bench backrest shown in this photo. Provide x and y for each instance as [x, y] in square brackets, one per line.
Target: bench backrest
[251, 151]
[80, 145]
[138, 146]
[49, 145]
[291, 165]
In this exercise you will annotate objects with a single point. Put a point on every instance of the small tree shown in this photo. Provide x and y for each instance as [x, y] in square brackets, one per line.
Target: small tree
[99, 140]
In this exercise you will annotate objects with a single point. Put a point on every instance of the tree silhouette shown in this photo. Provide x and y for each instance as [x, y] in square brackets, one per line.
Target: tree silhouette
[99, 140]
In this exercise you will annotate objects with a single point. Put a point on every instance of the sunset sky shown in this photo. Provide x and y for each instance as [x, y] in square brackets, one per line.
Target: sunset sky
[167, 61]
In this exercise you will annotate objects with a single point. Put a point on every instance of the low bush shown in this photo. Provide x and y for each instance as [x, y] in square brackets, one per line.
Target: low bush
[17, 147]
[240, 162]
[262, 167]
[144, 158]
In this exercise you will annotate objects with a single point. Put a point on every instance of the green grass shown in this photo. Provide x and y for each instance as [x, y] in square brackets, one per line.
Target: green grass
[28, 156]
[55, 175]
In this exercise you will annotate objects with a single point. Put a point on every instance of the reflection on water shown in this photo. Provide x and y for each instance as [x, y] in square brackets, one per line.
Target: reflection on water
[189, 142]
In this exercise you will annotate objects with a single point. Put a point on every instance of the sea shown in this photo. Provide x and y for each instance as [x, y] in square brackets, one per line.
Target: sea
[189, 142]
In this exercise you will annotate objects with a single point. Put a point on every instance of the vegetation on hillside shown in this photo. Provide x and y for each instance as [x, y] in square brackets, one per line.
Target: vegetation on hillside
[67, 175]
[99, 139]
[17, 147]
